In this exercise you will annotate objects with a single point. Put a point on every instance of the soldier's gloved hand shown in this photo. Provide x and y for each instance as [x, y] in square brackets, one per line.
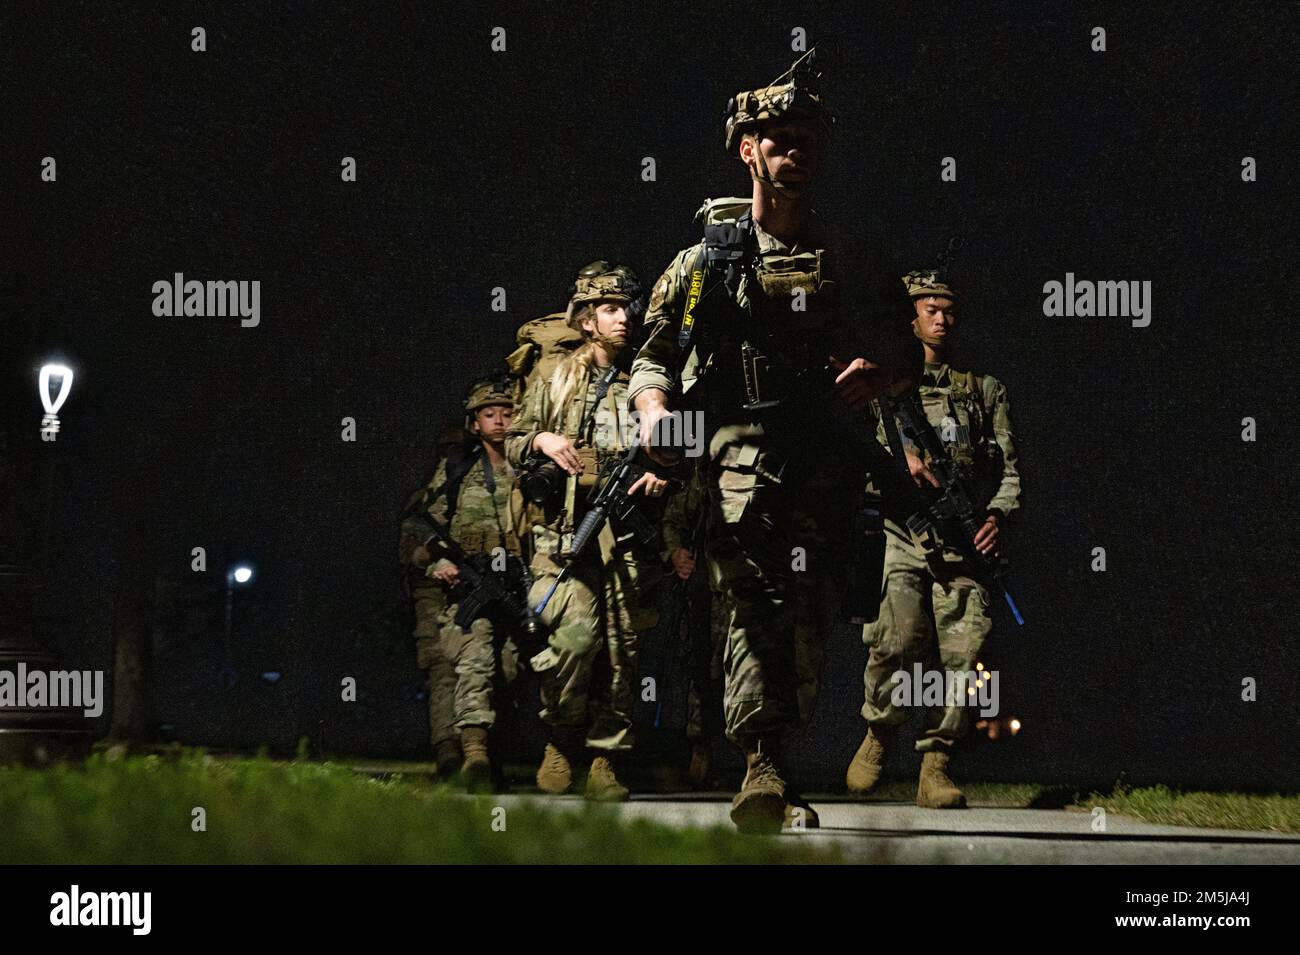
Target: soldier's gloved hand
[651, 483]
[860, 381]
[683, 563]
[989, 539]
[560, 450]
[920, 473]
[447, 572]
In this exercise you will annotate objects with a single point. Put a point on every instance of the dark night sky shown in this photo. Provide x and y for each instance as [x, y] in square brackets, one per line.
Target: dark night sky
[479, 170]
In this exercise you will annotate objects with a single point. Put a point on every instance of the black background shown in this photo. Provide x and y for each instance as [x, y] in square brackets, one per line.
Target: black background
[479, 169]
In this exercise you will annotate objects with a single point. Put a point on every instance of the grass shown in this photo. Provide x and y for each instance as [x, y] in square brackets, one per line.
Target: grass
[139, 810]
[1159, 804]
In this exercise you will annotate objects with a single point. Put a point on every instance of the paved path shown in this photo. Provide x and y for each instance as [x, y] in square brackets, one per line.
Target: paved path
[880, 832]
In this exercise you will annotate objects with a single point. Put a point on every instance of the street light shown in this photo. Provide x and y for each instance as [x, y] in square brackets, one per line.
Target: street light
[239, 575]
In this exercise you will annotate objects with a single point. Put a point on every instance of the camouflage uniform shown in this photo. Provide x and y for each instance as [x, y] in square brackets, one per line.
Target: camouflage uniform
[462, 666]
[781, 617]
[779, 477]
[589, 669]
[931, 604]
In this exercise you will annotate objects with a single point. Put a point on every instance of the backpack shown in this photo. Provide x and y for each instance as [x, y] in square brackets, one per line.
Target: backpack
[543, 344]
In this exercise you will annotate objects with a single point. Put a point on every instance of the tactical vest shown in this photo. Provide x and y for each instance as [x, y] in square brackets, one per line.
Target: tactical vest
[754, 332]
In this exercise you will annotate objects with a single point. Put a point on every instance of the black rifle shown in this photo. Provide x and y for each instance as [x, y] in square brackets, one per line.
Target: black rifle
[954, 513]
[482, 589]
[611, 500]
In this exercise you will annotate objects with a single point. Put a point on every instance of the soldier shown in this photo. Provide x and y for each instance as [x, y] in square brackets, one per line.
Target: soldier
[473, 498]
[570, 429]
[931, 601]
[706, 616]
[742, 328]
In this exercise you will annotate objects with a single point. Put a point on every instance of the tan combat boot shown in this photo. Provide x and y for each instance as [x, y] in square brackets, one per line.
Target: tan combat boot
[759, 807]
[602, 784]
[447, 758]
[476, 771]
[555, 775]
[867, 763]
[936, 790]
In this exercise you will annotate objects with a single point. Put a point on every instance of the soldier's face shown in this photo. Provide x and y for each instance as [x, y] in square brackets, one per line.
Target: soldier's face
[791, 151]
[493, 422]
[936, 315]
[610, 323]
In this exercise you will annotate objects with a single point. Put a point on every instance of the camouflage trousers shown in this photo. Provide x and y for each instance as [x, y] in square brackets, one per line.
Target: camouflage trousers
[932, 613]
[780, 550]
[589, 668]
[462, 666]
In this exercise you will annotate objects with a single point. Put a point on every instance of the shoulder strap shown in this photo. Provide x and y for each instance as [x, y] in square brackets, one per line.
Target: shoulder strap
[456, 471]
[721, 261]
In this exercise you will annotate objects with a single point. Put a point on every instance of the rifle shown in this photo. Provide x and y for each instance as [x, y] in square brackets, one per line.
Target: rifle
[610, 500]
[954, 512]
[482, 588]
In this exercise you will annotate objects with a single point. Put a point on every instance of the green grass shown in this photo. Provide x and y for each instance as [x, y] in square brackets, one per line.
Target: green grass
[1159, 804]
[138, 810]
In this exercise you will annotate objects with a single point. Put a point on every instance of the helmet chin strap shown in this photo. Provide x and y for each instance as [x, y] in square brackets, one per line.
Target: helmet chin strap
[612, 346]
[758, 171]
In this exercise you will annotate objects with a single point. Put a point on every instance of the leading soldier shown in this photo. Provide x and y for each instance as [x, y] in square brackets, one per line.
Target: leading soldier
[743, 329]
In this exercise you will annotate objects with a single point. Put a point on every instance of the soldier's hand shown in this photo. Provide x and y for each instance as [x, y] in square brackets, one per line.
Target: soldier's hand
[560, 450]
[920, 473]
[859, 381]
[683, 563]
[420, 557]
[651, 483]
[651, 408]
[988, 541]
[448, 573]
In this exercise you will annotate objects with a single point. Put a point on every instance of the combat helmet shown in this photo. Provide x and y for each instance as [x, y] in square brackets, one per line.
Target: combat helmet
[600, 281]
[795, 94]
[936, 281]
[488, 391]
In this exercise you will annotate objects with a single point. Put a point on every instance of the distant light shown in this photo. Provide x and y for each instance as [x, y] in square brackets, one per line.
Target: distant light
[1015, 727]
[979, 666]
[242, 574]
[970, 691]
[979, 682]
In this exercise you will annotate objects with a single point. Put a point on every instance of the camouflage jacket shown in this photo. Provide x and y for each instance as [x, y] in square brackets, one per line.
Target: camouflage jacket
[484, 519]
[601, 432]
[972, 416]
[764, 296]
